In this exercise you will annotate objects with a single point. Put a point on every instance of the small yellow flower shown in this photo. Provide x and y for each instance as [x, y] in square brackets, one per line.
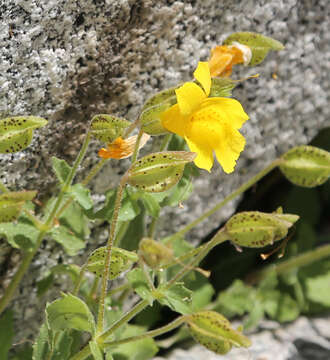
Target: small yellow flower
[207, 124]
[224, 57]
[122, 148]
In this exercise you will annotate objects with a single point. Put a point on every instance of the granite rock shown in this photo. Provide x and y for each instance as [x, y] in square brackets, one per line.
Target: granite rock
[66, 61]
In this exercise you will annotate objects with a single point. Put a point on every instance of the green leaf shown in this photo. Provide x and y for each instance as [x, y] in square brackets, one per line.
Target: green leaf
[74, 219]
[149, 203]
[121, 260]
[61, 169]
[235, 300]
[317, 289]
[20, 236]
[11, 204]
[82, 195]
[95, 350]
[280, 306]
[41, 346]
[107, 128]
[16, 132]
[46, 282]
[179, 193]
[129, 207]
[158, 172]
[255, 315]
[202, 292]
[177, 297]
[6, 333]
[69, 312]
[23, 354]
[259, 44]
[137, 350]
[134, 233]
[71, 243]
[140, 284]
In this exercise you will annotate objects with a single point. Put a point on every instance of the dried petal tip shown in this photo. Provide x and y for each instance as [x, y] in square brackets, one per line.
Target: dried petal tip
[122, 148]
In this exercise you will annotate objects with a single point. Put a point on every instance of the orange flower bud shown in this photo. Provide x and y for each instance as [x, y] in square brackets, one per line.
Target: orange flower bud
[122, 148]
[224, 57]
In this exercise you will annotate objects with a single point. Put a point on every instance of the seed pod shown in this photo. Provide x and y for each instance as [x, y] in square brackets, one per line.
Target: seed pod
[154, 253]
[107, 128]
[11, 204]
[306, 166]
[158, 172]
[16, 132]
[256, 229]
[150, 116]
[121, 260]
[214, 331]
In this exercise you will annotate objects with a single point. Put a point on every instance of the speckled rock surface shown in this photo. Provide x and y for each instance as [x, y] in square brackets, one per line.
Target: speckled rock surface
[66, 61]
[305, 339]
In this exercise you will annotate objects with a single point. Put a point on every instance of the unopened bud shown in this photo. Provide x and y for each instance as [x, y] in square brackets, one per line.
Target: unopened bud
[158, 172]
[154, 253]
[306, 166]
[256, 229]
[214, 331]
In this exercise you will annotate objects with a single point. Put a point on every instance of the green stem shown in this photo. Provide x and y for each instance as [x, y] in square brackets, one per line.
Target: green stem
[165, 142]
[230, 197]
[283, 267]
[163, 146]
[112, 232]
[28, 256]
[123, 320]
[3, 188]
[152, 227]
[79, 280]
[131, 128]
[118, 289]
[218, 238]
[136, 149]
[150, 334]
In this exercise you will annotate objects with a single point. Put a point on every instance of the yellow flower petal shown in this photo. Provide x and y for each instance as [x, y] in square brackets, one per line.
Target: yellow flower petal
[189, 97]
[229, 148]
[173, 120]
[204, 158]
[229, 110]
[203, 76]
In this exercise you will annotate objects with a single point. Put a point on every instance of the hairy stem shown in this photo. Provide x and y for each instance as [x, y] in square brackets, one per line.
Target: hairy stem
[112, 232]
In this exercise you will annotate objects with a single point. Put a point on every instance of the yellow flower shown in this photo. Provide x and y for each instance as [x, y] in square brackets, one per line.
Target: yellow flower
[122, 148]
[207, 124]
[224, 57]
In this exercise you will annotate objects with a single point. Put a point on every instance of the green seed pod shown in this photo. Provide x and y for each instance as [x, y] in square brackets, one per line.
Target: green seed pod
[121, 260]
[214, 331]
[16, 132]
[153, 108]
[158, 172]
[259, 44]
[306, 166]
[11, 204]
[256, 229]
[107, 128]
[154, 253]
